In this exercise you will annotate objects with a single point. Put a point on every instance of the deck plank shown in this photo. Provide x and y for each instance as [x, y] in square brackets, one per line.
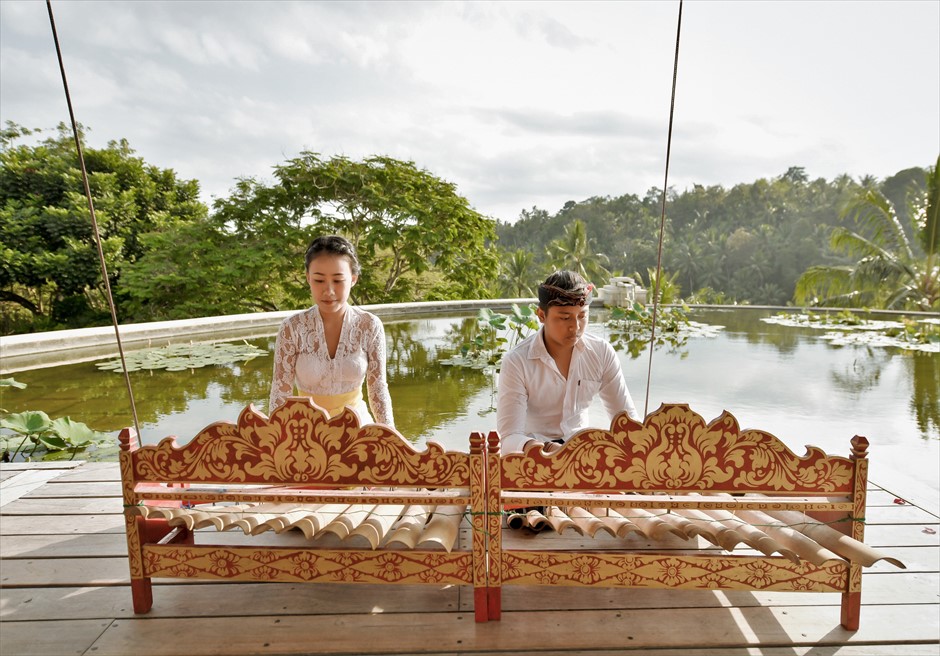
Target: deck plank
[202, 598]
[61, 524]
[52, 464]
[457, 632]
[208, 599]
[52, 638]
[83, 505]
[86, 489]
[23, 483]
[93, 472]
[64, 591]
[63, 546]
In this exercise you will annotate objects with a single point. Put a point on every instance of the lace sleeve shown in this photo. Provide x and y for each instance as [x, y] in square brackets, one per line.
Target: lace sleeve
[380, 401]
[285, 358]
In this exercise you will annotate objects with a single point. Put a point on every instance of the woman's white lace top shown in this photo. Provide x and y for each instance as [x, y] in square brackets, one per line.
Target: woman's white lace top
[302, 359]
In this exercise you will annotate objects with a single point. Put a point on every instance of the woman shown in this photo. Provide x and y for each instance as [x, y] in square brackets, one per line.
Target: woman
[328, 350]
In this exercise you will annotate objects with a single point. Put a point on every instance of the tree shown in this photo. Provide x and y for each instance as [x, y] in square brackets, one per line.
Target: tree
[416, 237]
[517, 274]
[574, 252]
[887, 271]
[246, 257]
[50, 273]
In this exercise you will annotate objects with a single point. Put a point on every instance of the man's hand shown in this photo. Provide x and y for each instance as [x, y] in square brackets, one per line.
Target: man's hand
[547, 447]
[551, 447]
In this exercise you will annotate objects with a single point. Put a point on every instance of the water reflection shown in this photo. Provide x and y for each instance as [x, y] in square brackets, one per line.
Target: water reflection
[863, 373]
[786, 380]
[925, 400]
[855, 371]
[427, 395]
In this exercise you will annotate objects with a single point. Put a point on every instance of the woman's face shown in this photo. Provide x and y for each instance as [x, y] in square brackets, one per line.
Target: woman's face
[331, 279]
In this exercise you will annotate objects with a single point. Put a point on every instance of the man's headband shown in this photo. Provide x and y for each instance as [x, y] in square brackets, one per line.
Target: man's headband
[551, 295]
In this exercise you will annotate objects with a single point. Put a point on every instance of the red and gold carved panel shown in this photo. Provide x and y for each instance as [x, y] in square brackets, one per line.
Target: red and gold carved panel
[299, 444]
[674, 450]
[688, 572]
[307, 565]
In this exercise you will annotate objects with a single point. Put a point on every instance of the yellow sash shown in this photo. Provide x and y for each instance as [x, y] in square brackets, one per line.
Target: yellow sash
[334, 403]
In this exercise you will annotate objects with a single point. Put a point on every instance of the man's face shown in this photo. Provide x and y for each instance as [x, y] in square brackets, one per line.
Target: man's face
[564, 324]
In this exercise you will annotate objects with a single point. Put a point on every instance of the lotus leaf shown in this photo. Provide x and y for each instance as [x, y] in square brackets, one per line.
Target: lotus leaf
[29, 422]
[180, 357]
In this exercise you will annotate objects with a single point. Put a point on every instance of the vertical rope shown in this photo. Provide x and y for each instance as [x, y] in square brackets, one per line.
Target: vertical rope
[662, 221]
[94, 220]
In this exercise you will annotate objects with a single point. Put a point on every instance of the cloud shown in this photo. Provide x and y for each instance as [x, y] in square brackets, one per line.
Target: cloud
[518, 104]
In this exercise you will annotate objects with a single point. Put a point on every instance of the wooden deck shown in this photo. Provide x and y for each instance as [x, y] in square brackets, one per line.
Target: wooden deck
[64, 578]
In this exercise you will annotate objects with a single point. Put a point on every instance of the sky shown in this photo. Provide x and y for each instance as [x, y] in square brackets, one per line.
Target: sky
[519, 104]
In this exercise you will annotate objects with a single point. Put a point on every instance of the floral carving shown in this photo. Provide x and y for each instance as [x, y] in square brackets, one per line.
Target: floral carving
[661, 571]
[300, 444]
[674, 450]
[245, 563]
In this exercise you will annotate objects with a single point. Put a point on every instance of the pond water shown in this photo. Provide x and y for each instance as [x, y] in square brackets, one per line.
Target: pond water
[785, 380]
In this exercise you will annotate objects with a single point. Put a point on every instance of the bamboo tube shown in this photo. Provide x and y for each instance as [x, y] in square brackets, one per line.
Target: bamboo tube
[537, 521]
[586, 522]
[790, 538]
[615, 523]
[651, 525]
[377, 524]
[347, 521]
[516, 520]
[443, 526]
[255, 522]
[286, 520]
[313, 522]
[686, 529]
[847, 547]
[560, 522]
[752, 536]
[407, 530]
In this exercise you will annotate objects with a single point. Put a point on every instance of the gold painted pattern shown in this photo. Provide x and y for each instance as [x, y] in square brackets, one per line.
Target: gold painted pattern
[674, 450]
[665, 571]
[299, 444]
[308, 565]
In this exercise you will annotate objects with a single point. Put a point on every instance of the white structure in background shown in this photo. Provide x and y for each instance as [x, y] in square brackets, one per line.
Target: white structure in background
[621, 291]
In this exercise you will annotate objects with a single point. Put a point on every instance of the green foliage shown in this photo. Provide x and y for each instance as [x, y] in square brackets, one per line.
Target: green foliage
[669, 290]
[403, 221]
[846, 328]
[496, 334]
[574, 251]
[180, 357]
[632, 328]
[417, 240]
[50, 275]
[749, 243]
[707, 296]
[884, 268]
[517, 276]
[48, 434]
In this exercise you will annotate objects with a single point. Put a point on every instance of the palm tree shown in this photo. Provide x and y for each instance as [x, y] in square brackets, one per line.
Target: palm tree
[888, 272]
[573, 251]
[516, 274]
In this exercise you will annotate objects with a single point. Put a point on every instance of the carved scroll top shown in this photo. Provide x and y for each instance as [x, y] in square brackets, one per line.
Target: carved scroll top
[675, 450]
[300, 444]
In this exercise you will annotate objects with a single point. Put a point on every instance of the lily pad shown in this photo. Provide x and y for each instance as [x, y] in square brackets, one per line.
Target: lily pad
[181, 357]
[845, 329]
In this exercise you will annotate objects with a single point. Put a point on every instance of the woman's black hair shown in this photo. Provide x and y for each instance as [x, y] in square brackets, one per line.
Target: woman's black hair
[564, 288]
[332, 245]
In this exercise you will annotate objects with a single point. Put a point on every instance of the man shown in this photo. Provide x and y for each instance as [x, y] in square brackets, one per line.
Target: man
[548, 381]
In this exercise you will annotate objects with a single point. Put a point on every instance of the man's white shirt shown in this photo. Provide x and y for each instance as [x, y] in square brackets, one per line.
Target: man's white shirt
[535, 401]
